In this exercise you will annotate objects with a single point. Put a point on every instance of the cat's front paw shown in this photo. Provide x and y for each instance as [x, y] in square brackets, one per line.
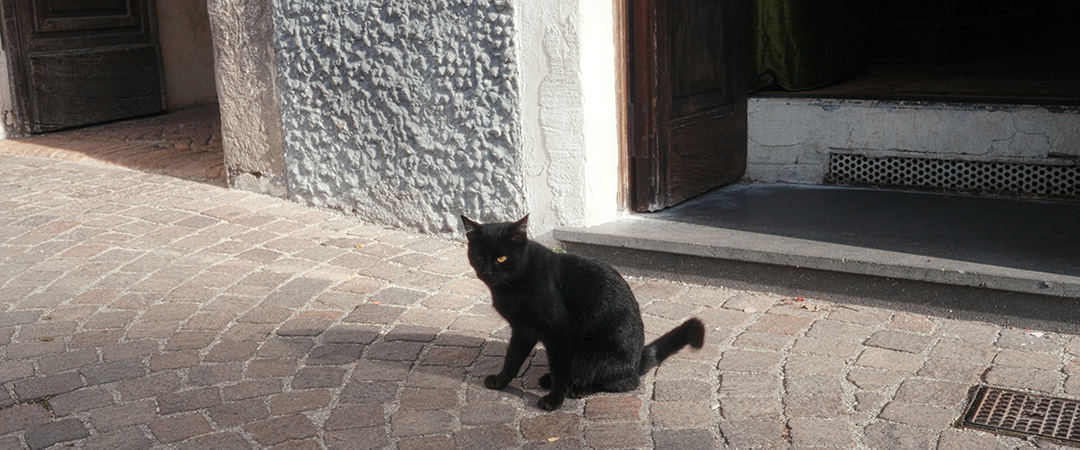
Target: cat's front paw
[545, 381]
[494, 382]
[550, 402]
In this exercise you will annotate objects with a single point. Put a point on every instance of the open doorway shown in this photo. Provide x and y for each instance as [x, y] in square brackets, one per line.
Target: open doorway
[987, 51]
[117, 81]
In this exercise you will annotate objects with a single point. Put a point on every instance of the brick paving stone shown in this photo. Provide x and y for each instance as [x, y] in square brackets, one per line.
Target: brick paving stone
[910, 322]
[748, 384]
[759, 340]
[932, 392]
[14, 370]
[750, 361]
[1030, 340]
[230, 351]
[684, 439]
[113, 418]
[491, 437]
[553, 425]
[285, 347]
[374, 314]
[43, 436]
[616, 435]
[304, 326]
[820, 406]
[450, 356]
[885, 434]
[35, 348]
[487, 413]
[188, 400]
[252, 388]
[318, 377]
[1024, 378]
[351, 334]
[394, 351]
[814, 365]
[357, 438]
[436, 377]
[613, 408]
[413, 399]
[762, 433]
[900, 341]
[129, 350]
[781, 324]
[231, 414]
[874, 379]
[1016, 358]
[412, 333]
[419, 423]
[954, 439]
[428, 443]
[952, 370]
[281, 429]
[880, 358]
[821, 433]
[81, 400]
[297, 401]
[334, 354]
[22, 417]
[126, 439]
[681, 414]
[179, 428]
[355, 416]
[681, 390]
[925, 416]
[153, 384]
[34, 388]
[109, 372]
[747, 408]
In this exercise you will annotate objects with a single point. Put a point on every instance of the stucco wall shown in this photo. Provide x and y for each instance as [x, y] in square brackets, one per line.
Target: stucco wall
[566, 50]
[246, 81]
[403, 112]
[790, 138]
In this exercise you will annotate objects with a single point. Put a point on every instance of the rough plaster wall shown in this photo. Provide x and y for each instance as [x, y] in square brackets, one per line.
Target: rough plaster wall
[245, 75]
[552, 114]
[402, 111]
[790, 139]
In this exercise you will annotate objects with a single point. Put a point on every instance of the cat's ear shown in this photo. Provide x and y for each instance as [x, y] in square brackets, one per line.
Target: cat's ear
[521, 229]
[470, 226]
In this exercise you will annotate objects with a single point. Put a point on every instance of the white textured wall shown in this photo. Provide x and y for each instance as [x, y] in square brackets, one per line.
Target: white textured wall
[566, 53]
[405, 111]
[790, 138]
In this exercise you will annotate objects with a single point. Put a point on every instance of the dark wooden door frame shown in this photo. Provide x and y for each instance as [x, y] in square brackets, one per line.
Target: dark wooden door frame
[77, 63]
[659, 128]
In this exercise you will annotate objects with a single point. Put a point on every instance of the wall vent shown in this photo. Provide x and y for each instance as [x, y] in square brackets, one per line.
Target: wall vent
[1039, 180]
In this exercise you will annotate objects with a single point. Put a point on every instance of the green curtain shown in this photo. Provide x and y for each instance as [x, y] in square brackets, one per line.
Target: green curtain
[806, 44]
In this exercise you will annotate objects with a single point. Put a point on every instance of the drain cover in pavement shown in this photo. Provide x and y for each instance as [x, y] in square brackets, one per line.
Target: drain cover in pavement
[1011, 412]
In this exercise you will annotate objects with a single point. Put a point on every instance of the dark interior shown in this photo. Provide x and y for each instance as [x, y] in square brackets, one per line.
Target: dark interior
[998, 51]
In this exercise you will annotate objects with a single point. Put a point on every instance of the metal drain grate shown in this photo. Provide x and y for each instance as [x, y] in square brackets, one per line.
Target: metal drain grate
[1011, 412]
[955, 175]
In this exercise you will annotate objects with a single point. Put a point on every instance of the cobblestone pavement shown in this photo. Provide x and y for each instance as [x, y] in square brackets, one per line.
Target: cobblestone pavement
[144, 311]
[184, 142]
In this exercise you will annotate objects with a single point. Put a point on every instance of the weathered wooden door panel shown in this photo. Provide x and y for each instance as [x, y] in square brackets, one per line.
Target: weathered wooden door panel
[688, 98]
[80, 62]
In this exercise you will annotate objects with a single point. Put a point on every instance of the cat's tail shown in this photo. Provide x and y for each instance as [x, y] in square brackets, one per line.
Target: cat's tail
[691, 332]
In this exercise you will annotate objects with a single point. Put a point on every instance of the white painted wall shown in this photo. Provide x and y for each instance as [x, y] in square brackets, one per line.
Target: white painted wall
[790, 138]
[566, 57]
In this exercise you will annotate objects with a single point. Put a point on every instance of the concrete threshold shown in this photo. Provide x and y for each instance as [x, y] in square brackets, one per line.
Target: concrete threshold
[998, 259]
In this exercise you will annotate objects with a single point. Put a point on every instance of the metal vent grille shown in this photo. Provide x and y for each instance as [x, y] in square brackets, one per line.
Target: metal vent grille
[955, 175]
[1011, 412]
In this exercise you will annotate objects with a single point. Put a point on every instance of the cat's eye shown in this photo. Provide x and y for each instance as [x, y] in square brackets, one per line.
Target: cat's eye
[501, 259]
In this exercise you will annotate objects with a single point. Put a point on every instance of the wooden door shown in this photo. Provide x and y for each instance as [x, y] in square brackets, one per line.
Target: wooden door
[78, 62]
[687, 98]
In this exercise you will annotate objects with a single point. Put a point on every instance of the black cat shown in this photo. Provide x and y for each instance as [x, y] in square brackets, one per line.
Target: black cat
[581, 309]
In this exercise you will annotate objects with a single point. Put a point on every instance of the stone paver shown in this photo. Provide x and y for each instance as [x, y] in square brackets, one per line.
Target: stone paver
[143, 311]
